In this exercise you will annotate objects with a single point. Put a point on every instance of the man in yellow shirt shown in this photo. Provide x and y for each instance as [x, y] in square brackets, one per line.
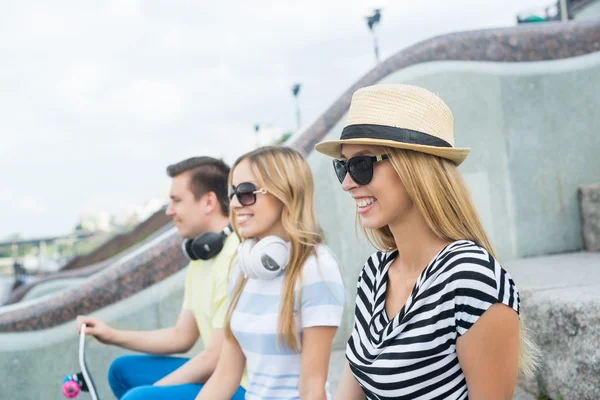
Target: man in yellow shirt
[199, 204]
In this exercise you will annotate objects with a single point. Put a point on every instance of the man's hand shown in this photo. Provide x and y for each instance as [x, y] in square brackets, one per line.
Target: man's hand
[100, 330]
[175, 339]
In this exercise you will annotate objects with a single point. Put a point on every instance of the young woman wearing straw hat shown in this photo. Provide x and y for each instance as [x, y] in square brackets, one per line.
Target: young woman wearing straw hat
[436, 316]
[287, 295]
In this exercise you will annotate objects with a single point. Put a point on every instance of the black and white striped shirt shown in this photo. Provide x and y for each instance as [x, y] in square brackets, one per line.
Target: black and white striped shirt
[413, 356]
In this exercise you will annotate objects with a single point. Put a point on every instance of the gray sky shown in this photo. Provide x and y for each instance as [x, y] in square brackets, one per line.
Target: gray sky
[97, 97]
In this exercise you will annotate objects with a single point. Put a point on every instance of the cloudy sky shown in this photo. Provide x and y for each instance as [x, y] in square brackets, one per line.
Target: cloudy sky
[97, 97]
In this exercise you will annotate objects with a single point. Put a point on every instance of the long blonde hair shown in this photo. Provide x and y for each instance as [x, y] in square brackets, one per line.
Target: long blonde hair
[437, 189]
[286, 175]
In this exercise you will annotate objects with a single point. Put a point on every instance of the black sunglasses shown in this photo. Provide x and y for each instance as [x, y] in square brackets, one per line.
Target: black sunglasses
[360, 168]
[245, 193]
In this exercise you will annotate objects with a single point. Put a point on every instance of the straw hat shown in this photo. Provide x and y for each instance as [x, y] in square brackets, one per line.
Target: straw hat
[401, 116]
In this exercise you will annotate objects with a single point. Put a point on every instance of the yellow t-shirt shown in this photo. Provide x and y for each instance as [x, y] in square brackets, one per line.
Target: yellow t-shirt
[205, 292]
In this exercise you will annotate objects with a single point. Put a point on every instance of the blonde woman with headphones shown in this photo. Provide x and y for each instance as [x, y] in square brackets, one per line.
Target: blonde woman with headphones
[436, 316]
[287, 294]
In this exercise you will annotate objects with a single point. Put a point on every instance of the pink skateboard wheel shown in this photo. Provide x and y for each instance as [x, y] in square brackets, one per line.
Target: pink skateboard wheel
[70, 389]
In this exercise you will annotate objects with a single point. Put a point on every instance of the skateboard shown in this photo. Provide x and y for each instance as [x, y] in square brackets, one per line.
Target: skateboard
[81, 381]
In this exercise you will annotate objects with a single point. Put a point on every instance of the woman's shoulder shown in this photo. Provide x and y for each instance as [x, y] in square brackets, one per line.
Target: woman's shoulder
[464, 254]
[322, 265]
[467, 265]
[475, 279]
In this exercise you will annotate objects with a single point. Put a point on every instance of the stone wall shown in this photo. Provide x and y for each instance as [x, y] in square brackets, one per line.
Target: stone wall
[589, 197]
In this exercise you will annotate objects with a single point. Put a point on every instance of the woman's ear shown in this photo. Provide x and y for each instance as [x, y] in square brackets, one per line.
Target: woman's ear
[210, 203]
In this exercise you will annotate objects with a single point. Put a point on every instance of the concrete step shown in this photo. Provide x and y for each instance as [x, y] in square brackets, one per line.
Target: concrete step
[561, 307]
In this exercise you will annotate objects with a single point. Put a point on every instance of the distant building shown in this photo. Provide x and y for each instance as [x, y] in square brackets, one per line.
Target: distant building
[127, 217]
[584, 9]
[576, 9]
[94, 221]
[133, 214]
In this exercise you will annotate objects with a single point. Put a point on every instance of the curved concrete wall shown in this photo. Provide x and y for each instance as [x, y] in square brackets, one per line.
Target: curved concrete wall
[52, 287]
[591, 11]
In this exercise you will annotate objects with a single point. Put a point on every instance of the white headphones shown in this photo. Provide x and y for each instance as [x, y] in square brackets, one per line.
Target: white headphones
[263, 259]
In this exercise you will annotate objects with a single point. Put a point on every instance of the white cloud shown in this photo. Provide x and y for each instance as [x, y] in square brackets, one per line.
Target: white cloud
[125, 8]
[21, 204]
[148, 101]
[4, 195]
[79, 86]
[31, 205]
[7, 146]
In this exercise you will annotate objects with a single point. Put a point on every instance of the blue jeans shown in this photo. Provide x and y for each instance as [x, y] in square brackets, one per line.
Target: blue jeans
[132, 377]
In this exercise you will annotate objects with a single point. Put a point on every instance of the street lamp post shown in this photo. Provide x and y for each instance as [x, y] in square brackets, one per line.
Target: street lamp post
[256, 129]
[372, 22]
[564, 12]
[295, 91]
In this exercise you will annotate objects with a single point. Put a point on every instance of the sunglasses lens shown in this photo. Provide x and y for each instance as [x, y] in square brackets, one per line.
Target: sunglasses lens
[340, 169]
[245, 194]
[360, 169]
